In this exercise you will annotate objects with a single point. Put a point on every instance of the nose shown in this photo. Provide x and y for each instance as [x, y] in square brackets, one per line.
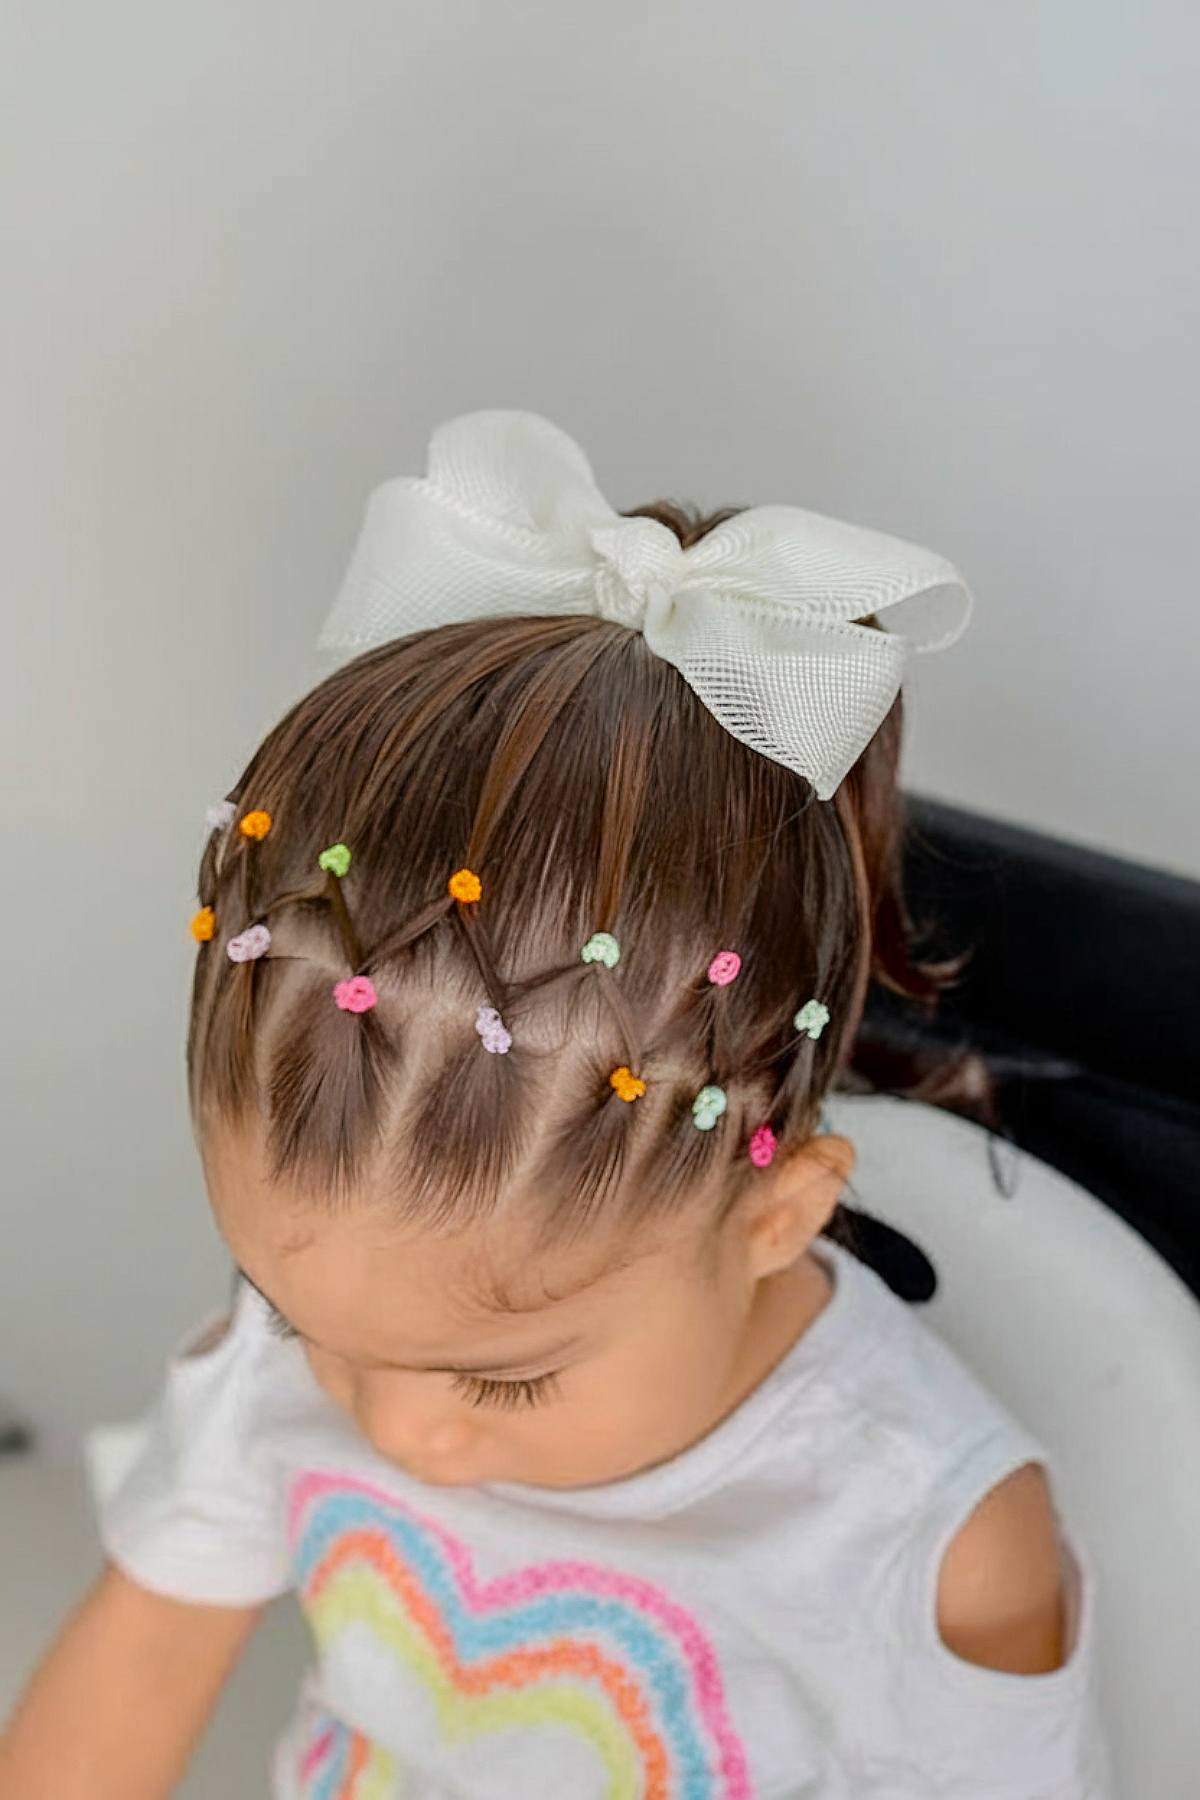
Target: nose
[407, 1425]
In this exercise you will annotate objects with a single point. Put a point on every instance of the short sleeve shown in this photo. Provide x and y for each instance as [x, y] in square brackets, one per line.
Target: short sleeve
[196, 1509]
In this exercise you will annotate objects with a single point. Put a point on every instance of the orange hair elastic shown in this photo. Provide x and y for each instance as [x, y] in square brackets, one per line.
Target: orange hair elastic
[624, 1082]
[466, 887]
[204, 924]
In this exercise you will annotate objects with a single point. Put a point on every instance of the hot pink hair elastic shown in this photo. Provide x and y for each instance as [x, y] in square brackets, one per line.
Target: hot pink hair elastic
[763, 1145]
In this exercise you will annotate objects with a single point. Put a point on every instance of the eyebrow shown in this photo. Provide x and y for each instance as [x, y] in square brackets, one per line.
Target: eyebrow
[514, 1366]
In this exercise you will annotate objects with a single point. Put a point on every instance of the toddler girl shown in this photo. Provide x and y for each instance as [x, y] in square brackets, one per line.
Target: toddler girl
[529, 945]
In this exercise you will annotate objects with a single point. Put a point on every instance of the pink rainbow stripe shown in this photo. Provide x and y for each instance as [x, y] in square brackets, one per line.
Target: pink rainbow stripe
[316, 1752]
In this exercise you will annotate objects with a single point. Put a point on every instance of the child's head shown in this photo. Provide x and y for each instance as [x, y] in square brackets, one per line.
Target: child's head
[532, 1208]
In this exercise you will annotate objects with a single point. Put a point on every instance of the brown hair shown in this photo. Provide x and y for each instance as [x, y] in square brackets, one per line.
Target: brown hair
[579, 776]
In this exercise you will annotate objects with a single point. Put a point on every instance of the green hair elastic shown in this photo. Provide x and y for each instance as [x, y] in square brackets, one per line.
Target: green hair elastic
[602, 947]
[335, 860]
[708, 1106]
[812, 1018]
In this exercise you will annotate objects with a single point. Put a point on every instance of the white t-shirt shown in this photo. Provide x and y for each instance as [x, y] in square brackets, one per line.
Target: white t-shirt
[755, 1618]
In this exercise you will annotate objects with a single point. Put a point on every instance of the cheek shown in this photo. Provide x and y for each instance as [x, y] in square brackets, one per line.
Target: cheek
[378, 1401]
[657, 1380]
[333, 1376]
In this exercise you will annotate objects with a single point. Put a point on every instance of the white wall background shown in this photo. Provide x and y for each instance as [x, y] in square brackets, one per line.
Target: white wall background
[932, 265]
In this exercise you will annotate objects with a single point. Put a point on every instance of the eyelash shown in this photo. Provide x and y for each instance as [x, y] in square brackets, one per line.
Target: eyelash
[484, 1390]
[480, 1390]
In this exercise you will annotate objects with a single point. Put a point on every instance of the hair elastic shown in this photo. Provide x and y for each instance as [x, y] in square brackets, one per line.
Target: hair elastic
[220, 815]
[812, 1018]
[249, 945]
[708, 1106]
[602, 947]
[204, 924]
[335, 860]
[357, 995]
[724, 968]
[255, 825]
[763, 1144]
[493, 1033]
[465, 887]
[626, 1084]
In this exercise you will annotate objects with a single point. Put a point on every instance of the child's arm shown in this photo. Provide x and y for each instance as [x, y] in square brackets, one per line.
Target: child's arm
[1000, 1595]
[116, 1706]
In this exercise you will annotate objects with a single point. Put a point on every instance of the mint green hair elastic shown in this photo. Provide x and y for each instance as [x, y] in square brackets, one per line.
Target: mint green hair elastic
[708, 1106]
[602, 947]
[812, 1018]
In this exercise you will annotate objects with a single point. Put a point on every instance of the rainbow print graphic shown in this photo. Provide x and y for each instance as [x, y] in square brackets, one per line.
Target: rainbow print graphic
[607, 1655]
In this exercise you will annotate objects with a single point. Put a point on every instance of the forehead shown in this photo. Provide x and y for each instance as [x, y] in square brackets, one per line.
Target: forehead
[353, 1269]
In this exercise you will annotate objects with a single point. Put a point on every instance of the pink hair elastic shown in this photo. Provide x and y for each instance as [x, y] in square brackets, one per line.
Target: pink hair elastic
[724, 968]
[763, 1145]
[357, 995]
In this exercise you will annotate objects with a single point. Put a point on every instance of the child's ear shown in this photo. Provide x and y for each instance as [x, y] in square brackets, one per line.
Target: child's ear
[795, 1201]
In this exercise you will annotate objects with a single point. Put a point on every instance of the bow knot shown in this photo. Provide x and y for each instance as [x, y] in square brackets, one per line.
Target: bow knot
[641, 565]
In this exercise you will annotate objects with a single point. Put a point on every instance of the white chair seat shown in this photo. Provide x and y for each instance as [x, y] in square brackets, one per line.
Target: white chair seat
[1093, 1342]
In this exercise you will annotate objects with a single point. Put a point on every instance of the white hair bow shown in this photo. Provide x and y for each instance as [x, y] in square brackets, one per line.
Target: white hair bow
[760, 617]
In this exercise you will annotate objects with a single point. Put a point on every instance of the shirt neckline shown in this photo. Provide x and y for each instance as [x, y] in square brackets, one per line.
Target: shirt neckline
[839, 1333]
